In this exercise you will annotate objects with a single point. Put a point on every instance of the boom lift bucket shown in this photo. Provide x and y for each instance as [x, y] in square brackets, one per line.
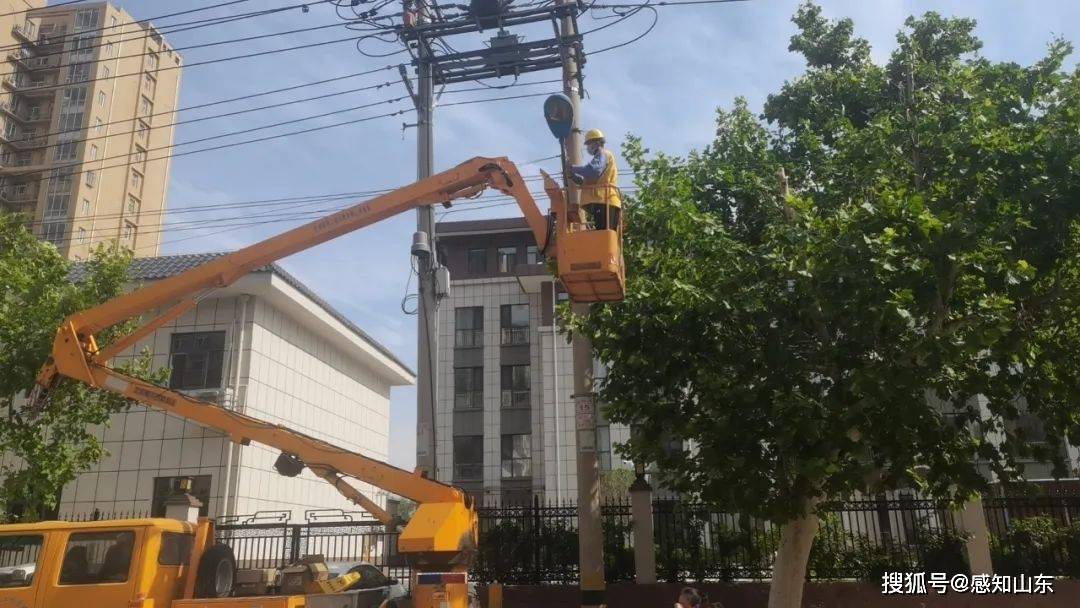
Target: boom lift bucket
[590, 261]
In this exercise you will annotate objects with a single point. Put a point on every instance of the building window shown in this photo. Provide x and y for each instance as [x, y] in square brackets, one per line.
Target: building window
[129, 232]
[149, 85]
[507, 259]
[469, 327]
[109, 49]
[476, 261]
[151, 61]
[92, 558]
[98, 125]
[105, 71]
[113, 21]
[468, 388]
[132, 205]
[82, 46]
[146, 107]
[469, 457]
[516, 385]
[532, 255]
[86, 206]
[65, 150]
[165, 486]
[85, 19]
[136, 181]
[93, 152]
[514, 323]
[196, 359]
[78, 72]
[603, 447]
[101, 97]
[91, 178]
[143, 130]
[140, 154]
[82, 236]
[516, 456]
[53, 232]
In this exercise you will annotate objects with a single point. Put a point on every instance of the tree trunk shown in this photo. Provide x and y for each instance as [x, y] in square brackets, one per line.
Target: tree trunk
[789, 572]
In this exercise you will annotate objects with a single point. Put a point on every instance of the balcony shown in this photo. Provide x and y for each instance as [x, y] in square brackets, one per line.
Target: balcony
[22, 57]
[512, 336]
[515, 398]
[34, 114]
[24, 31]
[19, 194]
[25, 85]
[469, 400]
[469, 338]
[28, 141]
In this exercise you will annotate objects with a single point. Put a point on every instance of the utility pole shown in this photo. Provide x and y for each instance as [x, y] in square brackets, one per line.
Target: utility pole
[427, 335]
[590, 532]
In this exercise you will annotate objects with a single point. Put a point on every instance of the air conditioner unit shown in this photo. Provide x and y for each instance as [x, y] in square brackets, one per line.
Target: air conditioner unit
[212, 395]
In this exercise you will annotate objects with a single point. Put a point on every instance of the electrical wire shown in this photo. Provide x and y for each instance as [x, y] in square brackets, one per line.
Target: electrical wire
[31, 10]
[205, 62]
[189, 47]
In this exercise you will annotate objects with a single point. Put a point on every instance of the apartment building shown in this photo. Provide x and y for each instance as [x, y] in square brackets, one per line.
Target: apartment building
[266, 346]
[504, 413]
[87, 102]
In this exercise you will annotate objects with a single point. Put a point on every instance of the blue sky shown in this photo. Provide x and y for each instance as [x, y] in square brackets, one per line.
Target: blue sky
[665, 88]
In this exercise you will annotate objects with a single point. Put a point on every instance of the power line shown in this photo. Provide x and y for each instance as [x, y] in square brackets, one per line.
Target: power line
[224, 101]
[61, 170]
[205, 62]
[179, 48]
[237, 112]
[31, 10]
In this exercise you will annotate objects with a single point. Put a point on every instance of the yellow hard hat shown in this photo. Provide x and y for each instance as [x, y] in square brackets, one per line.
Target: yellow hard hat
[593, 134]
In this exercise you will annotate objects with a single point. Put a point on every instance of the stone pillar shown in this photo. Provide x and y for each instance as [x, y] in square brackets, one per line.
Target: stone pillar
[641, 514]
[182, 505]
[972, 521]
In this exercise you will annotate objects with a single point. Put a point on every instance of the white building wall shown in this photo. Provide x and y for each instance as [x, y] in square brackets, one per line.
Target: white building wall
[289, 374]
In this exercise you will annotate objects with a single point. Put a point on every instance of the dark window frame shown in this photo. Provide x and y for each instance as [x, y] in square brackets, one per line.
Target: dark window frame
[193, 366]
[468, 335]
[34, 556]
[507, 456]
[178, 550]
[476, 260]
[513, 332]
[473, 470]
[473, 398]
[515, 393]
[506, 258]
[163, 489]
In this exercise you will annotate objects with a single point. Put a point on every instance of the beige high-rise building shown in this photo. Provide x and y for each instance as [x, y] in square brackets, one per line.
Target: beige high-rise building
[87, 100]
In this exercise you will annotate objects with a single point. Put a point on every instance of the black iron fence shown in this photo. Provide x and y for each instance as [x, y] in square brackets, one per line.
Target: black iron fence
[537, 543]
[1035, 533]
[270, 539]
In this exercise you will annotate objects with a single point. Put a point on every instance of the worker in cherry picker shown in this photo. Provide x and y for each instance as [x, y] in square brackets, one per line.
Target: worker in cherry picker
[599, 181]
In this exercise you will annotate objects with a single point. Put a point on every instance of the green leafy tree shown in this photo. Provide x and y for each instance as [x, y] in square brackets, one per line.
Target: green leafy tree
[47, 448]
[867, 287]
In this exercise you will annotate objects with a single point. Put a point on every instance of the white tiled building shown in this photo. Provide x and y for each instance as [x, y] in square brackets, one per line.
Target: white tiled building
[504, 413]
[271, 348]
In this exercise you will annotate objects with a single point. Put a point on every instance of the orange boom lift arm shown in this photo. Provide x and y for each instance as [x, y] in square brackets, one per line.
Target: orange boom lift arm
[442, 533]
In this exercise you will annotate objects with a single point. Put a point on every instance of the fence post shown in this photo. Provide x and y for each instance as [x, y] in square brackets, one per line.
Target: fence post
[294, 550]
[971, 519]
[641, 512]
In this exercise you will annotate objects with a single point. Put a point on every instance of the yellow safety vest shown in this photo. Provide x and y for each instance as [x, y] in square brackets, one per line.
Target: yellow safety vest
[604, 189]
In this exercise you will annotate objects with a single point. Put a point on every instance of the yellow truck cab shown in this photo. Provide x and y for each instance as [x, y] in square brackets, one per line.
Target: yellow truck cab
[131, 563]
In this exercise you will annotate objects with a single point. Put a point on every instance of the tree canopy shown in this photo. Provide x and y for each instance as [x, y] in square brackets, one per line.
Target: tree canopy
[871, 285]
[46, 449]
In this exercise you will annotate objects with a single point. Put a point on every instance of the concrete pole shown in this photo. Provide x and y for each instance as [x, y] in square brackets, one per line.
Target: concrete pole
[972, 521]
[426, 333]
[644, 544]
[590, 530]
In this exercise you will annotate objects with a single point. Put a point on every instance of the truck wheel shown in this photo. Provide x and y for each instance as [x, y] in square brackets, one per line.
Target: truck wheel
[217, 571]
